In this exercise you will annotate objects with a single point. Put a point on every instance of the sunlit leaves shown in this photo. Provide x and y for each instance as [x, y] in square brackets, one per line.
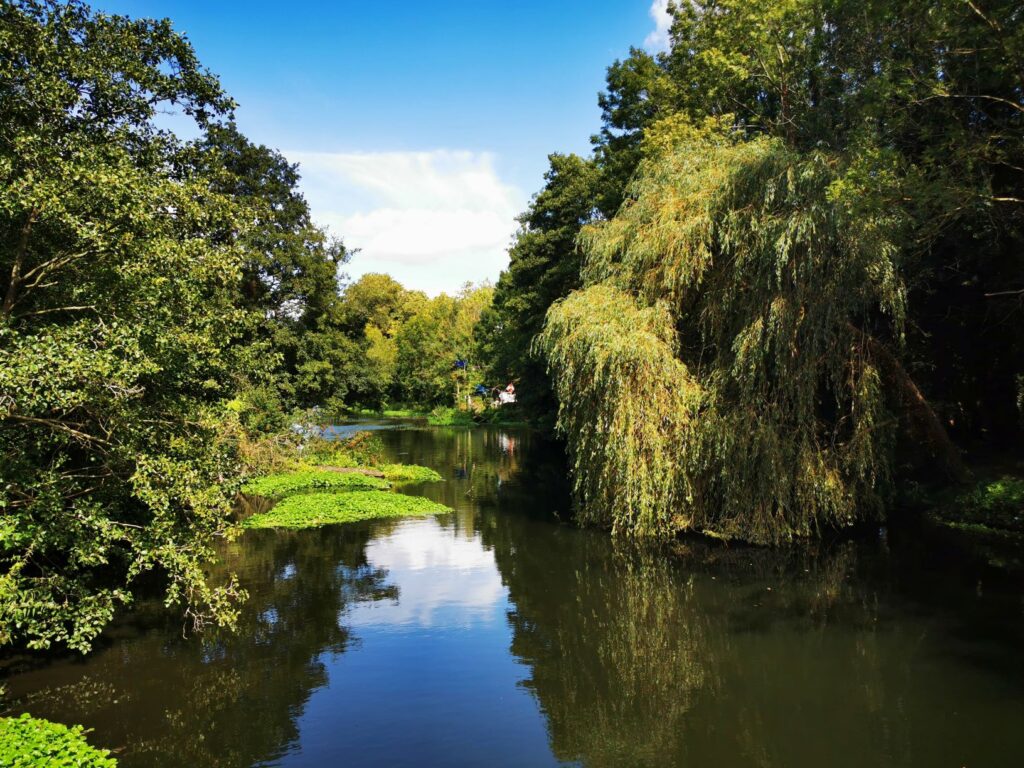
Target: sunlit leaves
[720, 385]
[119, 267]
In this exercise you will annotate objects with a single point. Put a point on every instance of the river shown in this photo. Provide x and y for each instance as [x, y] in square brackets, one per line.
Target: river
[502, 635]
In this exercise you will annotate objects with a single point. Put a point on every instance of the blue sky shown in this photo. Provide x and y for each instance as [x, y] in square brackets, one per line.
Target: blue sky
[422, 128]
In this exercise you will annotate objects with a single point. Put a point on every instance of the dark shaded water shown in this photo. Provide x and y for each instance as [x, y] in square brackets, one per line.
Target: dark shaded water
[498, 636]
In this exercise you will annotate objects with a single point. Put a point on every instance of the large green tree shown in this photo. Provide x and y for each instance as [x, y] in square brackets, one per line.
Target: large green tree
[819, 257]
[439, 333]
[935, 85]
[297, 350]
[375, 308]
[544, 265]
[120, 262]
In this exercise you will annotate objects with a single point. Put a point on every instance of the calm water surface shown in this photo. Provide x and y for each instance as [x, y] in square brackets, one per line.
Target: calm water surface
[499, 636]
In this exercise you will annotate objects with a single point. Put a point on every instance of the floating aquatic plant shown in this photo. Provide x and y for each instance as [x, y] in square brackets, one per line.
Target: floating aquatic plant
[312, 510]
[409, 473]
[30, 741]
[280, 485]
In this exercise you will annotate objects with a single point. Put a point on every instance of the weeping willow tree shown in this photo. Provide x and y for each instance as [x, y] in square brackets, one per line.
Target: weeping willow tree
[727, 366]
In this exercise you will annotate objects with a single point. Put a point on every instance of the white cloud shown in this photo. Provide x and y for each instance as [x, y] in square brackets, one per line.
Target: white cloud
[432, 220]
[658, 39]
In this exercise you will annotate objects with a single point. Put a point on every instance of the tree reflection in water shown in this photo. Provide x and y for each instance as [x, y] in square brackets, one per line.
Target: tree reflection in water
[711, 655]
[221, 699]
[839, 653]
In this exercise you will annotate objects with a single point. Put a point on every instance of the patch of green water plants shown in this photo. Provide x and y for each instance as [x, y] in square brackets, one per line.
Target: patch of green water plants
[312, 510]
[29, 742]
[280, 485]
[409, 473]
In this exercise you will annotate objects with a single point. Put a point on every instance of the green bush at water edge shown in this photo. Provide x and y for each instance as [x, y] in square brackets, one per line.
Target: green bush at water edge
[992, 506]
[386, 413]
[457, 417]
[1004, 495]
[362, 449]
[315, 509]
[450, 417]
[27, 741]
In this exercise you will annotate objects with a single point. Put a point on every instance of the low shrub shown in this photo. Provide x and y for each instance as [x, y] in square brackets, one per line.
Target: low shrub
[994, 503]
[30, 742]
[363, 449]
[450, 417]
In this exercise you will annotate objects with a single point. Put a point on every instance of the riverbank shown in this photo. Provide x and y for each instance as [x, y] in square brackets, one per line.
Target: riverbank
[984, 518]
[445, 416]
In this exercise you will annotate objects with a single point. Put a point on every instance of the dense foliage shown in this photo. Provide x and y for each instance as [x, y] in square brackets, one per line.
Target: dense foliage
[736, 245]
[29, 742]
[403, 346]
[289, 283]
[544, 266]
[437, 335]
[164, 303]
[790, 273]
[118, 268]
[815, 272]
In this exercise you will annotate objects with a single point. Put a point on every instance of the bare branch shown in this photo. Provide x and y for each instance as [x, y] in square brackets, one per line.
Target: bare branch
[982, 96]
[41, 271]
[992, 23]
[58, 309]
[58, 426]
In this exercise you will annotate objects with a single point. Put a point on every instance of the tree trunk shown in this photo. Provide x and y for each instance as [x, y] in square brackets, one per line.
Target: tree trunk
[11, 295]
[919, 419]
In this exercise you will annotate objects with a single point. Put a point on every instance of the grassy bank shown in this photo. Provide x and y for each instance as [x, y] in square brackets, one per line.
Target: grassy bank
[386, 413]
[445, 416]
[456, 417]
[993, 504]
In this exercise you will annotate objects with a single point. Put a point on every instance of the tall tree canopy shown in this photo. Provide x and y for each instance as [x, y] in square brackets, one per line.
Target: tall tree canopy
[437, 334]
[544, 265]
[120, 263]
[823, 230]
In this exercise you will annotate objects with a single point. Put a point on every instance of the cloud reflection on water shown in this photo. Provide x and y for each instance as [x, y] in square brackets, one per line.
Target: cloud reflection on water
[441, 577]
